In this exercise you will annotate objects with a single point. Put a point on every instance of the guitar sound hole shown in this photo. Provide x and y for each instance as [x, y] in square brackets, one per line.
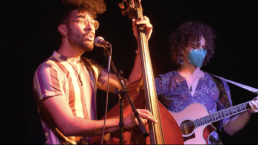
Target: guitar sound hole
[187, 127]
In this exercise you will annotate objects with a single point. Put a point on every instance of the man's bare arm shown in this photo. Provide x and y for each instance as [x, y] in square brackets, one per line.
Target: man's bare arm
[136, 73]
[70, 125]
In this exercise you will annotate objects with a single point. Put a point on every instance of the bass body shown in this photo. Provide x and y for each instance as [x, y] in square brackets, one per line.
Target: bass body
[171, 131]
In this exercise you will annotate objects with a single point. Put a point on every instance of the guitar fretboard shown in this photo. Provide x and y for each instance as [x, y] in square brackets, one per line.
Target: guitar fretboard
[221, 114]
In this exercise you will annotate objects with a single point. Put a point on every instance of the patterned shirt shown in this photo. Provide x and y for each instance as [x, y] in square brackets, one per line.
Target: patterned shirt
[174, 94]
[77, 82]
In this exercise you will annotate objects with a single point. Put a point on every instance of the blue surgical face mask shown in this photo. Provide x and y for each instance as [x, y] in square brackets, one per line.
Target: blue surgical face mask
[196, 56]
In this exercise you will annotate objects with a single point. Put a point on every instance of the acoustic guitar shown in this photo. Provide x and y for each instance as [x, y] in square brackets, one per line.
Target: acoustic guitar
[195, 121]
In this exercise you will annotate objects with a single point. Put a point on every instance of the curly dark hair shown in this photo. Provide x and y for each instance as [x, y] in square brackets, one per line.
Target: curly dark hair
[188, 33]
[59, 10]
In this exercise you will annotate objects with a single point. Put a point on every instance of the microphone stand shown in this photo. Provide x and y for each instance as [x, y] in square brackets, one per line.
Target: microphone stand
[122, 93]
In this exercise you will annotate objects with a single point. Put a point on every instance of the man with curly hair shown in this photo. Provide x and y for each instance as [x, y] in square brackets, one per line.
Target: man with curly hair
[192, 46]
[65, 84]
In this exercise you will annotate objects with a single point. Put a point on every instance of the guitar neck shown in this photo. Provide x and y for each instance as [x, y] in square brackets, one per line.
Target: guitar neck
[221, 114]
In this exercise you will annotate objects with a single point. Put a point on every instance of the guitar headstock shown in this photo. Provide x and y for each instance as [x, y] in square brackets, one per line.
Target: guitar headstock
[129, 7]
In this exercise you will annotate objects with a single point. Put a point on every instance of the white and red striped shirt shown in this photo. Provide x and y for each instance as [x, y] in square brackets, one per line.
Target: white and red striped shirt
[59, 76]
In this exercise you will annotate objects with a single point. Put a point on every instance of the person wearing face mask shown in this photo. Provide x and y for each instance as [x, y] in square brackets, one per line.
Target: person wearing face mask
[192, 46]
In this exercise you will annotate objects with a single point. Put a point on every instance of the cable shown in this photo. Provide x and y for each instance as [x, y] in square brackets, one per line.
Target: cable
[109, 61]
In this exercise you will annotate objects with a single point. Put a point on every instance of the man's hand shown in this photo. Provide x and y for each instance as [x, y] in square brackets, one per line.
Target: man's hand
[132, 124]
[145, 24]
[254, 106]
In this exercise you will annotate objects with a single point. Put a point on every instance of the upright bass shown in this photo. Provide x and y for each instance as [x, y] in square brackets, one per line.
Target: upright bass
[166, 131]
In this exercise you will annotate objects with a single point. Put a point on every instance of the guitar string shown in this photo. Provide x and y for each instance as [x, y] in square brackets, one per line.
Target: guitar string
[191, 123]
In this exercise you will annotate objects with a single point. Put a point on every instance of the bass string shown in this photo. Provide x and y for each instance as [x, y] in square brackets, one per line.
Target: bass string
[150, 79]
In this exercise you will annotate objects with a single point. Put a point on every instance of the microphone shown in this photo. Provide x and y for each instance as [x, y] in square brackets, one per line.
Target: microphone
[100, 42]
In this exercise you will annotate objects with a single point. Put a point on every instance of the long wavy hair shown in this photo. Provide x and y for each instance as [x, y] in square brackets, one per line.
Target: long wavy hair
[188, 33]
[59, 10]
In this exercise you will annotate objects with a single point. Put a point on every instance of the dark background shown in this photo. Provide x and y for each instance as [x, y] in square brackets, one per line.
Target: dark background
[24, 47]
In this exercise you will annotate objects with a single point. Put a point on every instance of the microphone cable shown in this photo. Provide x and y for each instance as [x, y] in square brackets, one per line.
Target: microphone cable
[109, 61]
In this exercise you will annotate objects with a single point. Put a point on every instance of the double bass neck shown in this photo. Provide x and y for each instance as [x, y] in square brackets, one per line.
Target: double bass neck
[155, 130]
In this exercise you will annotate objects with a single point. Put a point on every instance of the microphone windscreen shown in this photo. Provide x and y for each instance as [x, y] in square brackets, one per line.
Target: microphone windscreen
[97, 41]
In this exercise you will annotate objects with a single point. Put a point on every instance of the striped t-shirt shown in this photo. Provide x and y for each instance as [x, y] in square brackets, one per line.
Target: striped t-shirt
[77, 81]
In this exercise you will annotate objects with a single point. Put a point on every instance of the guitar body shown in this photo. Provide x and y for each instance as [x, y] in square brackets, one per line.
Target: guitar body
[194, 135]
